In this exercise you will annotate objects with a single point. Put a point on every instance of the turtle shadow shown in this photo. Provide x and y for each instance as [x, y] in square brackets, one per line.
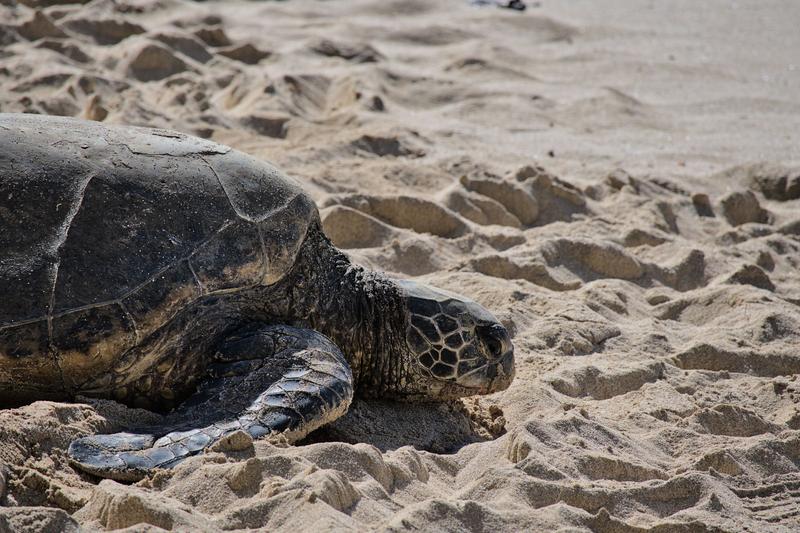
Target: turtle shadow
[441, 428]
[438, 427]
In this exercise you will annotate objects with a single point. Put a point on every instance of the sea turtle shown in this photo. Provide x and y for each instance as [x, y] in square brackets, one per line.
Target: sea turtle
[176, 274]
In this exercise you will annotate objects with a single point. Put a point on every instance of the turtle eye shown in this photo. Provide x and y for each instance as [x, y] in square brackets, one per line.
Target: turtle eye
[495, 347]
[493, 338]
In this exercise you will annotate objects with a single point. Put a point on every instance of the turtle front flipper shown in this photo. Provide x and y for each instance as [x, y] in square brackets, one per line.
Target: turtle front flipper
[266, 380]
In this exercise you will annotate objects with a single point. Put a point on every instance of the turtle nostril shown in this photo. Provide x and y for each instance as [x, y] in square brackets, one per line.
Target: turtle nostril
[508, 364]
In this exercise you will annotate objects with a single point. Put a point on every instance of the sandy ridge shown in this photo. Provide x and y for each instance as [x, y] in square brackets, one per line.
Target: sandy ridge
[621, 186]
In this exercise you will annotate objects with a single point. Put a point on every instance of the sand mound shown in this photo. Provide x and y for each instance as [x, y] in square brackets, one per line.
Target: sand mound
[147, 61]
[357, 52]
[104, 31]
[627, 206]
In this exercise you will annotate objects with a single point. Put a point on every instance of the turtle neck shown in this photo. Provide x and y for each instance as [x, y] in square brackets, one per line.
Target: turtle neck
[362, 311]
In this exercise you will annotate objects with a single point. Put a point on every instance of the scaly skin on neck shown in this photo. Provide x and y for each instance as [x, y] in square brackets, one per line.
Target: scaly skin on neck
[360, 310]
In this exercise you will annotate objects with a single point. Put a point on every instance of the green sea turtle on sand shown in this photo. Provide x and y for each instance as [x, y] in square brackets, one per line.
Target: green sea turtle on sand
[176, 274]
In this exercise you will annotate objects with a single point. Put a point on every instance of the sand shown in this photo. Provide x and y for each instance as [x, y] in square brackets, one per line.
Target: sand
[618, 181]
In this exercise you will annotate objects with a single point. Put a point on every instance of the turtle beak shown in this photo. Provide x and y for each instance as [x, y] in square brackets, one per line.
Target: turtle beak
[505, 371]
[500, 368]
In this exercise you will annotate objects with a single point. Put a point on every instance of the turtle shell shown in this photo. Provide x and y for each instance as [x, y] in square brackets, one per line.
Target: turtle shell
[107, 231]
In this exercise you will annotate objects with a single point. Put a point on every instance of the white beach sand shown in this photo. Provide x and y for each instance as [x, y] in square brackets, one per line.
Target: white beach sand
[618, 181]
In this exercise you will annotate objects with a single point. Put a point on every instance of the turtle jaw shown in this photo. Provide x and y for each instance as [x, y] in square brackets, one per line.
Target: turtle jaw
[494, 376]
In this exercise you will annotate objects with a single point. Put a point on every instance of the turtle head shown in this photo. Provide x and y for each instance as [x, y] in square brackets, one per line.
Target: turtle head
[457, 347]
